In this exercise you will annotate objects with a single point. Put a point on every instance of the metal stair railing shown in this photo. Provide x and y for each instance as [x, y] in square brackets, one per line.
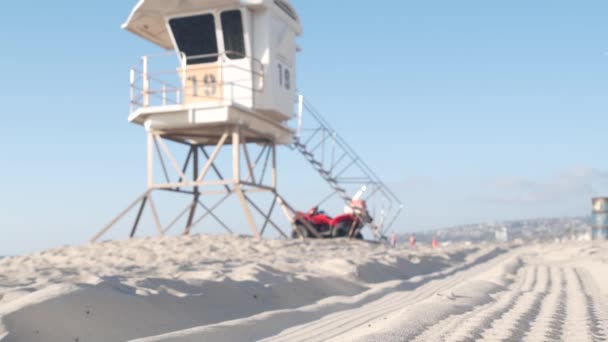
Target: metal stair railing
[325, 174]
[342, 168]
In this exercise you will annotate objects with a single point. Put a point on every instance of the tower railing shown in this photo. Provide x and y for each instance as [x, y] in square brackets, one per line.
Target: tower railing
[343, 169]
[156, 81]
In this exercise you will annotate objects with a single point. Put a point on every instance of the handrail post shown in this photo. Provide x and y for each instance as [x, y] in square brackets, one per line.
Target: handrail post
[132, 89]
[184, 63]
[146, 81]
[164, 95]
[222, 80]
[262, 76]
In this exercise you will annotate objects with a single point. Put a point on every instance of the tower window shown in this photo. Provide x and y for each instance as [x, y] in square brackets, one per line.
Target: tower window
[195, 37]
[234, 41]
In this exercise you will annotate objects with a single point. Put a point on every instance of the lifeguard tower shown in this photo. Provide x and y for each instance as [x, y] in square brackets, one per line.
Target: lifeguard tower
[224, 96]
[232, 91]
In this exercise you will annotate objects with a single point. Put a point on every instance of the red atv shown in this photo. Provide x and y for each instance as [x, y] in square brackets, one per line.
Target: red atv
[348, 224]
[314, 219]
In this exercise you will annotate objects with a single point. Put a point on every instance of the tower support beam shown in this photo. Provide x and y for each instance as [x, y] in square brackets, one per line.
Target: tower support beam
[199, 183]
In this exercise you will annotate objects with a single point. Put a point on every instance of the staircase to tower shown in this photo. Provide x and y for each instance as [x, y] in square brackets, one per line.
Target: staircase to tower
[344, 171]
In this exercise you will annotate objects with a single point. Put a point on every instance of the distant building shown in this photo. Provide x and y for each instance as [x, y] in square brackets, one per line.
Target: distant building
[502, 234]
[599, 218]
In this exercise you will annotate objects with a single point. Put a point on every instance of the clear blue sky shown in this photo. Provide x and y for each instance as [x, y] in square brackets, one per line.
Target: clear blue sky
[471, 110]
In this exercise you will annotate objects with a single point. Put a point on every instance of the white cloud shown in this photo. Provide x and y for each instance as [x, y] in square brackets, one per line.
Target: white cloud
[434, 203]
[574, 183]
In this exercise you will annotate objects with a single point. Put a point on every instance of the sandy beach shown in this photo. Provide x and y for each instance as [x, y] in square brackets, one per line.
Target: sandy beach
[468, 131]
[222, 288]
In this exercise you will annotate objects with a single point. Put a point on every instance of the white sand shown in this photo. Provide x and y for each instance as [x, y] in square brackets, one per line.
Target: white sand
[206, 288]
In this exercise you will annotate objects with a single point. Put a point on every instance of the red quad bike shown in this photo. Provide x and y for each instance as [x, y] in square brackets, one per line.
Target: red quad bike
[315, 219]
[348, 224]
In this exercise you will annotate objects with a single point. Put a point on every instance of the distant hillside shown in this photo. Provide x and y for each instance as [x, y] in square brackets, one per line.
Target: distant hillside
[527, 230]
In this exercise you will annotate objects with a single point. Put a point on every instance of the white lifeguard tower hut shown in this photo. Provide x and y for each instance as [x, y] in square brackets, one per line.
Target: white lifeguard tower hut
[227, 87]
[237, 67]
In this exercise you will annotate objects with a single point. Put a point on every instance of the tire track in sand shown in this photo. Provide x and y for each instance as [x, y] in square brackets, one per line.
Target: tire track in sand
[577, 317]
[466, 326]
[553, 302]
[344, 321]
[548, 325]
[482, 321]
[596, 318]
[515, 323]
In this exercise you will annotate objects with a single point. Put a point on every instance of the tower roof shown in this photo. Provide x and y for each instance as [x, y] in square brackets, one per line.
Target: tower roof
[147, 19]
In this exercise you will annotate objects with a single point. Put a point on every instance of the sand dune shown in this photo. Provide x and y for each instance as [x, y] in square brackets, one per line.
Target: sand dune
[117, 291]
[551, 295]
[220, 288]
